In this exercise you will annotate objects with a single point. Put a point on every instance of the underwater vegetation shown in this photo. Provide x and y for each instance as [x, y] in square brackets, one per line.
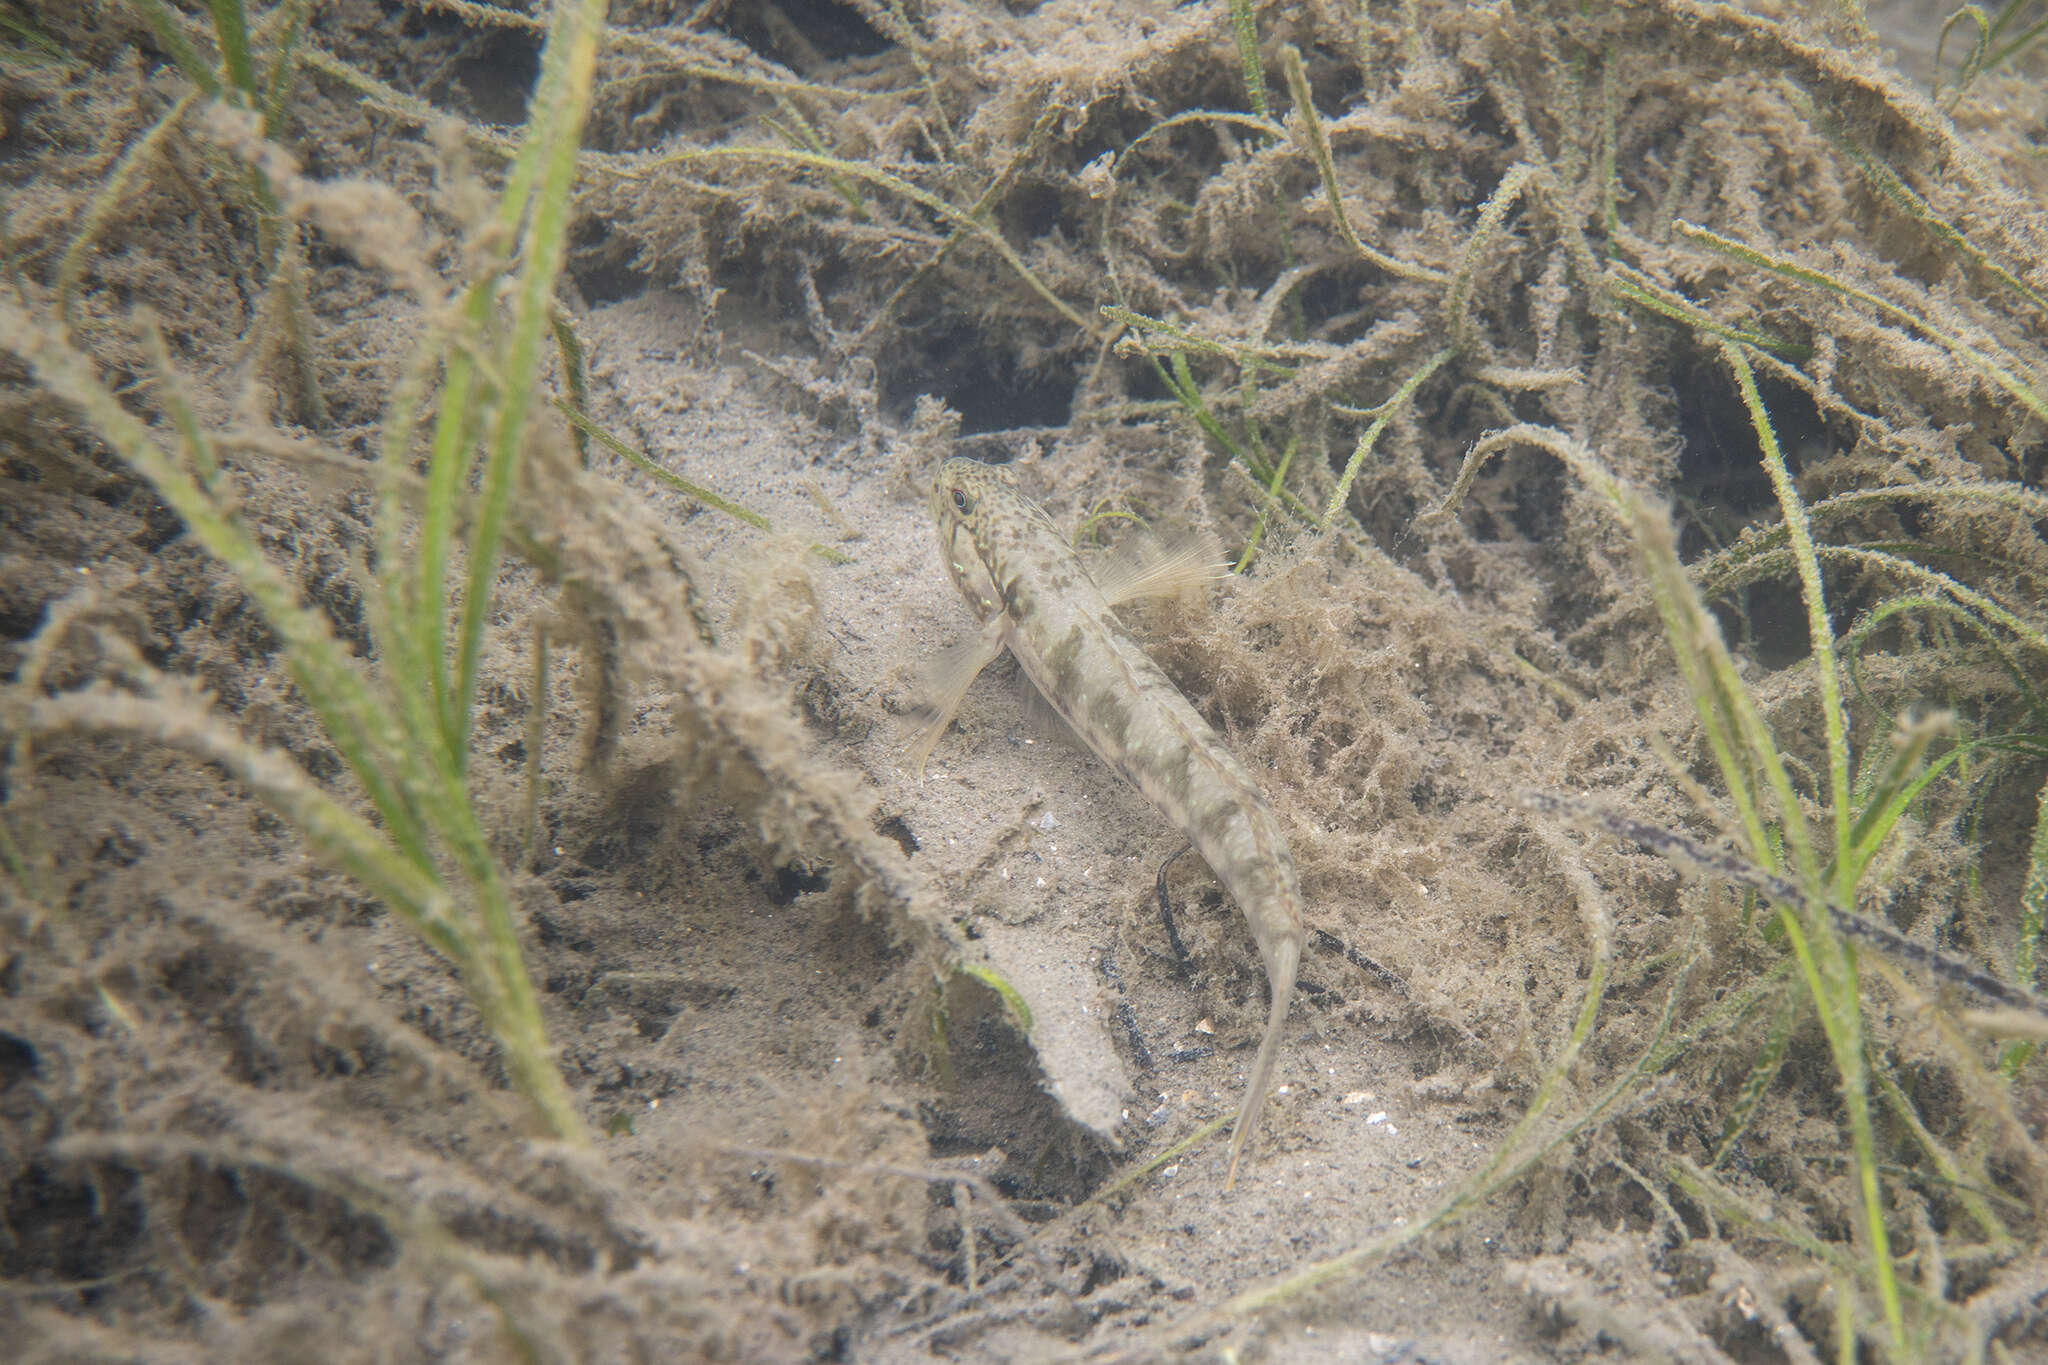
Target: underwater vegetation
[458, 882]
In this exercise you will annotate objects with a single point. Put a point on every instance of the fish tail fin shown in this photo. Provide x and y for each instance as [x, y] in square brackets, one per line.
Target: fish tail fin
[1285, 963]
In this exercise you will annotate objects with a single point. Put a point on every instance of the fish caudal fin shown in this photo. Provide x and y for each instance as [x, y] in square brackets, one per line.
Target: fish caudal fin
[1286, 961]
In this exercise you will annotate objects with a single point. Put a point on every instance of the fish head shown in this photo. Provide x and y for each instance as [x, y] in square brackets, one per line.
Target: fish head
[970, 503]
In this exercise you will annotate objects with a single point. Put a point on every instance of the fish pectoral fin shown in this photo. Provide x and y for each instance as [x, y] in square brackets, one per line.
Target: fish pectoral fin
[1042, 716]
[1146, 565]
[946, 684]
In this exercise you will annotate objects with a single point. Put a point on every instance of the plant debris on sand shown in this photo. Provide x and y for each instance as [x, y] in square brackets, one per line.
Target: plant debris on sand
[466, 577]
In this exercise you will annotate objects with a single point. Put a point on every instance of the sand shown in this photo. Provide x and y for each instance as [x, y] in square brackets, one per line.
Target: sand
[247, 1114]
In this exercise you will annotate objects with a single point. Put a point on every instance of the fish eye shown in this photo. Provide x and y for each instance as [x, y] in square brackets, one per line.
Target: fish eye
[960, 501]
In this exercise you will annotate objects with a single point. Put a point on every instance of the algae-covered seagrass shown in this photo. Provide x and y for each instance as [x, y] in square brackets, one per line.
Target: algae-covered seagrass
[463, 561]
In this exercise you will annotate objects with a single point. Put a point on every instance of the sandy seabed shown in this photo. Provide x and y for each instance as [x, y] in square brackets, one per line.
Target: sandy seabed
[246, 1114]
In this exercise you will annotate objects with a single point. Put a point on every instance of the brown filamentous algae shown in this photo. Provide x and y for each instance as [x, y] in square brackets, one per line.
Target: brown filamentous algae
[1036, 598]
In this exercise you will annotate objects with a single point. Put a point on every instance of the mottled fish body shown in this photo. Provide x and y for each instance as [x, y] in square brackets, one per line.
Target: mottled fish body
[1037, 599]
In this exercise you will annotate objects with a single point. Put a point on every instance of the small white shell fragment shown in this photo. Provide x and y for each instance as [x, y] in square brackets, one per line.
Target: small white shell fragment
[1376, 1116]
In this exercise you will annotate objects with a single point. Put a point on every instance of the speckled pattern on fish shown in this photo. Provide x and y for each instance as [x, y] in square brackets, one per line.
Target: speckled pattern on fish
[1037, 599]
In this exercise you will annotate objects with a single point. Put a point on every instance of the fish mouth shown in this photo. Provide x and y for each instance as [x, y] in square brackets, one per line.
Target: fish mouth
[948, 526]
[957, 548]
[964, 566]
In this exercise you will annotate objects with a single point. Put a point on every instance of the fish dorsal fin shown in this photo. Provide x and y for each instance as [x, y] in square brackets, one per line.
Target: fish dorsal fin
[1147, 565]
